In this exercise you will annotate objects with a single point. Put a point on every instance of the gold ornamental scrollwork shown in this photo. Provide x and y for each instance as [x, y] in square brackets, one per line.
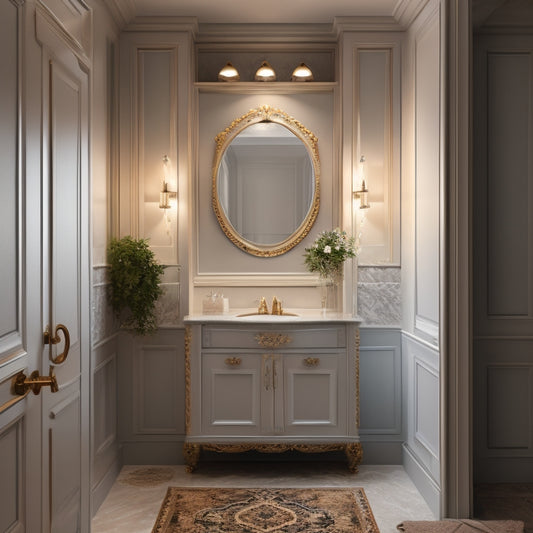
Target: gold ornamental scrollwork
[272, 340]
[266, 113]
[188, 338]
[352, 450]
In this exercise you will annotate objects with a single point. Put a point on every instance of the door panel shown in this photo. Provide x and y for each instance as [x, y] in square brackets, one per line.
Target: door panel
[66, 294]
[312, 395]
[232, 394]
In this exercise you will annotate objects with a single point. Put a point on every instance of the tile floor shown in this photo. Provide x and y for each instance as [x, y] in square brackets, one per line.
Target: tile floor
[132, 505]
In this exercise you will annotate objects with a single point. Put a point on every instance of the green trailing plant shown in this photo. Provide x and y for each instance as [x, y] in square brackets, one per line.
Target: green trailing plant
[134, 276]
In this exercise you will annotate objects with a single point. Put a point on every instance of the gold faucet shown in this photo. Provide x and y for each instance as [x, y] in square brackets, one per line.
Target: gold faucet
[276, 307]
[263, 308]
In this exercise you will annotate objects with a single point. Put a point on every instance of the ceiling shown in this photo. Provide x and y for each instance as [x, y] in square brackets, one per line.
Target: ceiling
[265, 11]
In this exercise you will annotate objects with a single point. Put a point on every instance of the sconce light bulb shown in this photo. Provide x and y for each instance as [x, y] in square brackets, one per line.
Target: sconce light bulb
[228, 73]
[265, 72]
[302, 73]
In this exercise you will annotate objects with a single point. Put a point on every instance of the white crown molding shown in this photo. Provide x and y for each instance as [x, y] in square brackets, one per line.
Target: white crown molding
[122, 11]
[164, 24]
[362, 24]
[406, 11]
[261, 32]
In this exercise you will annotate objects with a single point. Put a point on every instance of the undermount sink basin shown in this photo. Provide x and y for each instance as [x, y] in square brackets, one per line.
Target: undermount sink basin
[256, 317]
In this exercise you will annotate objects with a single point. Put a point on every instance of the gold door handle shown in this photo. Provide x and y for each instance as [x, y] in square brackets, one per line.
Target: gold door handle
[311, 361]
[56, 339]
[23, 384]
[233, 361]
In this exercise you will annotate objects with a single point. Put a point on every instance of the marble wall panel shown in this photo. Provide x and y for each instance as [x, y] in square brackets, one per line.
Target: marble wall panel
[378, 296]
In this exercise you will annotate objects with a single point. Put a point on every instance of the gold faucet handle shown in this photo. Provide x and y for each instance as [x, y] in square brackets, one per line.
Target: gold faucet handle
[276, 306]
[263, 308]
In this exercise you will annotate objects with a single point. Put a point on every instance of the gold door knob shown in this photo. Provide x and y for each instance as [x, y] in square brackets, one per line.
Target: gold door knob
[56, 339]
[22, 384]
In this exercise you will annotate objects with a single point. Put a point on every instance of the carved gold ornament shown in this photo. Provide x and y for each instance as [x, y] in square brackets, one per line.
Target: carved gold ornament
[188, 339]
[272, 340]
[266, 113]
[352, 450]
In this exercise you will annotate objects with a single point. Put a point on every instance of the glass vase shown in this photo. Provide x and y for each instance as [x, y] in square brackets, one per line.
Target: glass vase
[329, 290]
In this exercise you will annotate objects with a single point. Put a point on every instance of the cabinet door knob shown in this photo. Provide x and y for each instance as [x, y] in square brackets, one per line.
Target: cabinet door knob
[311, 361]
[233, 361]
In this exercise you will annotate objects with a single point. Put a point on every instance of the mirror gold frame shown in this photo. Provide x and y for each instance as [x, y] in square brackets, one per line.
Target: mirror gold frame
[266, 113]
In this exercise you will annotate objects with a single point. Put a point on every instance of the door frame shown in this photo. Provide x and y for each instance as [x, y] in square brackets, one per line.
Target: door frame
[456, 369]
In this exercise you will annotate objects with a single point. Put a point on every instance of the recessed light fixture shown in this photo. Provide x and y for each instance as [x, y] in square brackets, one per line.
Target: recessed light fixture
[265, 72]
[302, 73]
[228, 73]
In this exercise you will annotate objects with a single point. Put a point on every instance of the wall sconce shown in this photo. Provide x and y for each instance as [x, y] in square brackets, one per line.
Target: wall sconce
[265, 72]
[165, 195]
[228, 73]
[362, 193]
[302, 73]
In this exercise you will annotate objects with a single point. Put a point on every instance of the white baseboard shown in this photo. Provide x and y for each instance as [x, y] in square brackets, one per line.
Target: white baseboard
[425, 484]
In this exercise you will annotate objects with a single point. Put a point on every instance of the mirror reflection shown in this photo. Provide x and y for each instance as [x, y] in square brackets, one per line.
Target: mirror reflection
[266, 182]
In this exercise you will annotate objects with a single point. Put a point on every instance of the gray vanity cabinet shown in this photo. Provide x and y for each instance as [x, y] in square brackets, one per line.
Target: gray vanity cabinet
[272, 387]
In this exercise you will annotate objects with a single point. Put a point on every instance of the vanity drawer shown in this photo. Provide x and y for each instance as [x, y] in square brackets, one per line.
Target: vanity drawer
[274, 338]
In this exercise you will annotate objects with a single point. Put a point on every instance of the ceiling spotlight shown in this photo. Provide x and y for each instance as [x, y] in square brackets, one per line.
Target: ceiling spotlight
[229, 73]
[265, 72]
[302, 73]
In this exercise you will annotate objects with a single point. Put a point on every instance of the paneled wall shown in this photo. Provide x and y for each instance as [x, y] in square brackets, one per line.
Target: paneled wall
[382, 427]
[422, 234]
[106, 457]
[371, 124]
[155, 82]
[503, 246]
[151, 389]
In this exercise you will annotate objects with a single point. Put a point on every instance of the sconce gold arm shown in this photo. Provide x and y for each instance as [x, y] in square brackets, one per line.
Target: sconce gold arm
[56, 339]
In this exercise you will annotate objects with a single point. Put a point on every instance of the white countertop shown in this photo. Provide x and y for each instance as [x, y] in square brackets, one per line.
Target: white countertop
[298, 316]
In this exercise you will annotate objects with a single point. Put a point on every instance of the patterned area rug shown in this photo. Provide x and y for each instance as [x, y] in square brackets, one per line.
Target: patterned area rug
[203, 510]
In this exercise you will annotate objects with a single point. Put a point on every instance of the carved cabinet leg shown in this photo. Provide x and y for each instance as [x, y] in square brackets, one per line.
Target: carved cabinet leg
[354, 454]
[191, 454]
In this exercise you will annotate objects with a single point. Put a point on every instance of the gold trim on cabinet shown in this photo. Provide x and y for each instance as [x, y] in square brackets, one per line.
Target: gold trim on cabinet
[233, 361]
[311, 361]
[272, 340]
[188, 339]
[357, 410]
[266, 113]
[352, 450]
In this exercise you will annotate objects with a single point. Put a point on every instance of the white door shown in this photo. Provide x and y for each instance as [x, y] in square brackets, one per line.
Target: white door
[65, 421]
[44, 438]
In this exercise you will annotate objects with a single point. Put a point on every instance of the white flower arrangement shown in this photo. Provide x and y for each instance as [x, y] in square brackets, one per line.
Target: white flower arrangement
[329, 252]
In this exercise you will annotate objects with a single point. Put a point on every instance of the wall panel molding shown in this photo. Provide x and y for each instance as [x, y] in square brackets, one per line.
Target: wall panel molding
[11, 201]
[428, 170]
[371, 109]
[12, 468]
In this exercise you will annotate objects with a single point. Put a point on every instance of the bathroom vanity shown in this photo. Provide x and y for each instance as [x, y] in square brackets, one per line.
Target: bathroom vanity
[272, 384]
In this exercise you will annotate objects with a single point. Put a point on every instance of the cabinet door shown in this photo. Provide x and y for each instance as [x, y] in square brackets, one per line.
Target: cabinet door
[236, 399]
[314, 394]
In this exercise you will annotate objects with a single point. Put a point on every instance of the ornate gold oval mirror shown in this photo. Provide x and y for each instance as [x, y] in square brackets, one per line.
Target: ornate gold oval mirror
[266, 177]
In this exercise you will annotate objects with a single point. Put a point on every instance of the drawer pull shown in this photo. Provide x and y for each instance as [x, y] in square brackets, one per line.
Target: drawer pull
[311, 361]
[233, 361]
